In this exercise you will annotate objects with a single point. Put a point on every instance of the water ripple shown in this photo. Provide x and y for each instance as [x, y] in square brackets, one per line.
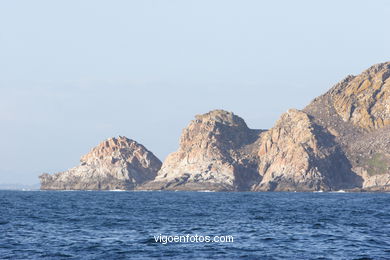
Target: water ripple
[122, 225]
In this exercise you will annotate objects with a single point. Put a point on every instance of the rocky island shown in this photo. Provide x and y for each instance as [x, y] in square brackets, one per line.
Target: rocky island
[340, 141]
[117, 163]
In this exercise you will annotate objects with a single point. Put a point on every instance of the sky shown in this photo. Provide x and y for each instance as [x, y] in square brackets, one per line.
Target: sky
[76, 72]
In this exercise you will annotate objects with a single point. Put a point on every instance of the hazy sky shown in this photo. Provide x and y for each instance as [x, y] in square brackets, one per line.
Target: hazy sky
[73, 73]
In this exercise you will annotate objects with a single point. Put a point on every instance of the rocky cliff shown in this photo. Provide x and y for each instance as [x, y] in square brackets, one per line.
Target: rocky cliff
[217, 152]
[364, 100]
[117, 163]
[356, 112]
[341, 140]
[299, 155]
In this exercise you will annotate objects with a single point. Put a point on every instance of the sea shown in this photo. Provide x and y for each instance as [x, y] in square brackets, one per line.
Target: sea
[175, 225]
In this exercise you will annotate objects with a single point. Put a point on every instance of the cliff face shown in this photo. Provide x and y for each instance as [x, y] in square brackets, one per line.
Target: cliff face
[216, 153]
[364, 100]
[357, 112]
[299, 155]
[117, 163]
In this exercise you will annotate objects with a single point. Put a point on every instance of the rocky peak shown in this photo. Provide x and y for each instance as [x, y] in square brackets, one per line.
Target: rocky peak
[364, 100]
[116, 163]
[297, 154]
[294, 123]
[215, 128]
[118, 149]
[222, 117]
[293, 128]
[215, 153]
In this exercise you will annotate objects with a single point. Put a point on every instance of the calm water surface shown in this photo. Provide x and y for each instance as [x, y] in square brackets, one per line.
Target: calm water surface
[122, 225]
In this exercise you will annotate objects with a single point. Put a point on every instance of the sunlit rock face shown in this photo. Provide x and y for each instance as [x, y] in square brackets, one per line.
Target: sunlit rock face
[216, 153]
[117, 163]
[364, 100]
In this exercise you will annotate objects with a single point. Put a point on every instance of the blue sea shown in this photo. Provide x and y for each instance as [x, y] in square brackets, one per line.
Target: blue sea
[125, 225]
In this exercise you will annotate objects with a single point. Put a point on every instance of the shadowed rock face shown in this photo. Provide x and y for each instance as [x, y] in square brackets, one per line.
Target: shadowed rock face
[299, 155]
[216, 153]
[117, 163]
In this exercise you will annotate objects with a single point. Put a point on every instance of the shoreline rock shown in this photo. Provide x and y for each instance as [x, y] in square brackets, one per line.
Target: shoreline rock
[115, 164]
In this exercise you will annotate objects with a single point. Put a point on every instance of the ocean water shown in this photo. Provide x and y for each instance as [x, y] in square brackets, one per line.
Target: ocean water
[123, 225]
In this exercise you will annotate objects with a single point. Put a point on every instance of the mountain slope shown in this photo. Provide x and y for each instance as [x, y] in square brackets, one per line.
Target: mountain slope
[357, 112]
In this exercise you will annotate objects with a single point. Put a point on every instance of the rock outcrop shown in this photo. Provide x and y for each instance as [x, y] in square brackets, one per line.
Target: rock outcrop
[357, 113]
[364, 100]
[299, 155]
[341, 140]
[217, 152]
[117, 163]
